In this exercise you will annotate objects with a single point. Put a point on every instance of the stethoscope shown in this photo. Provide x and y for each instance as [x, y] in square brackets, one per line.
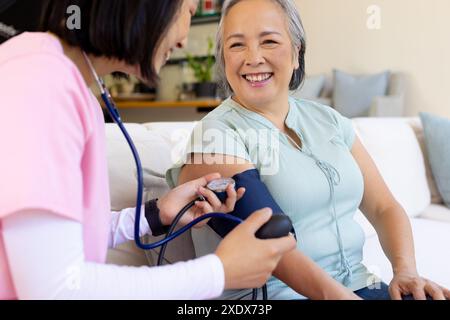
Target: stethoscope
[114, 113]
[171, 234]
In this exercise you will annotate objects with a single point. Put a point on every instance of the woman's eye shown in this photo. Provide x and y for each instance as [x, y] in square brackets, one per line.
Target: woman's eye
[269, 42]
[235, 45]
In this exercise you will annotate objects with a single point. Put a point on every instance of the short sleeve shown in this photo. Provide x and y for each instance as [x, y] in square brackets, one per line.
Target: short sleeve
[42, 138]
[210, 136]
[345, 128]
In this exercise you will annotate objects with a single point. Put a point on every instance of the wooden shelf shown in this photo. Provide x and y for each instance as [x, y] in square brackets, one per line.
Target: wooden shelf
[215, 18]
[177, 61]
[128, 104]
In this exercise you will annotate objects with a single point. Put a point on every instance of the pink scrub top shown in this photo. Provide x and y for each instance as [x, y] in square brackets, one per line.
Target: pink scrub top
[52, 141]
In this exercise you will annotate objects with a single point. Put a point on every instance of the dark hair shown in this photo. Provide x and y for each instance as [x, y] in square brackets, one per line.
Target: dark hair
[299, 74]
[128, 30]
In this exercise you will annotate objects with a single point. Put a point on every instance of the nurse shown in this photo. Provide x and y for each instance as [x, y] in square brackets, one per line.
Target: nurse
[55, 219]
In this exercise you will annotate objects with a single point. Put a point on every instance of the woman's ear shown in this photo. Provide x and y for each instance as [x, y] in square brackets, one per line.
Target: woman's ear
[296, 57]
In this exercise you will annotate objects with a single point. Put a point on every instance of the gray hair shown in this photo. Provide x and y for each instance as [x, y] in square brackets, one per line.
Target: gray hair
[296, 33]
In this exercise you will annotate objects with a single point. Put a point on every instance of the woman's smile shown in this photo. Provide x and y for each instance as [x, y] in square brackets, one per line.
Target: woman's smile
[258, 80]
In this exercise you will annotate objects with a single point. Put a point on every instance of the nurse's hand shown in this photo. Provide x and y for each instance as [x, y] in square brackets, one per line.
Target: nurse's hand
[176, 199]
[248, 262]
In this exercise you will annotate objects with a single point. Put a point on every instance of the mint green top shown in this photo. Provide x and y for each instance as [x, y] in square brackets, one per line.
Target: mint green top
[320, 187]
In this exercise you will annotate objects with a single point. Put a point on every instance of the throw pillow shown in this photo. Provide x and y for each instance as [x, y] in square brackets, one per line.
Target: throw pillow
[353, 94]
[417, 127]
[311, 88]
[437, 135]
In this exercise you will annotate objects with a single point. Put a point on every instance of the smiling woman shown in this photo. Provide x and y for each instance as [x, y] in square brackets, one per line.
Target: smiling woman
[285, 34]
[321, 173]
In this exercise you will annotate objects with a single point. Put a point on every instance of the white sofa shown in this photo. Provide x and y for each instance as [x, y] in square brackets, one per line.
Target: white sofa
[396, 145]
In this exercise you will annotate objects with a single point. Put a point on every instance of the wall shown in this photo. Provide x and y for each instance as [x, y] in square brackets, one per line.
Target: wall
[414, 38]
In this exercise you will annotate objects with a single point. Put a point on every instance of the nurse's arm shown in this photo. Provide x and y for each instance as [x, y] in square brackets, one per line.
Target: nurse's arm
[297, 270]
[46, 259]
[122, 226]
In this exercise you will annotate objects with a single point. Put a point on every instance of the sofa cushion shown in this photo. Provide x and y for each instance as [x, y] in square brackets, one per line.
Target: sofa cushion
[353, 95]
[175, 133]
[437, 134]
[436, 212]
[417, 127]
[155, 154]
[311, 88]
[431, 240]
[394, 148]
[159, 146]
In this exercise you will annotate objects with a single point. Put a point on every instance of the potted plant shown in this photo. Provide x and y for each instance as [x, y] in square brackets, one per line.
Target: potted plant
[203, 73]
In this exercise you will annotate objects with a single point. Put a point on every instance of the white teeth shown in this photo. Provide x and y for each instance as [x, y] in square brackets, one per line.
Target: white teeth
[258, 78]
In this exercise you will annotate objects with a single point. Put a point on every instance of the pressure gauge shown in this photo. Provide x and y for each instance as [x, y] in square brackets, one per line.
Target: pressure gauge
[219, 187]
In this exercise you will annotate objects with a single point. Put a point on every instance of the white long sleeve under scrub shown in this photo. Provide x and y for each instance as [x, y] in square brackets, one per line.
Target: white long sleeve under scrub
[46, 258]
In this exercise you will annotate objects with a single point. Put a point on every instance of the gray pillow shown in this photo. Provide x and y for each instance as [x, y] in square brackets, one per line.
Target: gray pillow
[311, 88]
[353, 94]
[437, 136]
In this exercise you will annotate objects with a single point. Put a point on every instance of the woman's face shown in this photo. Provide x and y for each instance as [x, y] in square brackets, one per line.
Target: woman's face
[258, 53]
[177, 35]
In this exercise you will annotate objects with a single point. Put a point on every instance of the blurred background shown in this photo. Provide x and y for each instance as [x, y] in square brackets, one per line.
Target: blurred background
[401, 46]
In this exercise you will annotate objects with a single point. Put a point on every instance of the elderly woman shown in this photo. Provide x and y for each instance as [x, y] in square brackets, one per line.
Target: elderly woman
[316, 168]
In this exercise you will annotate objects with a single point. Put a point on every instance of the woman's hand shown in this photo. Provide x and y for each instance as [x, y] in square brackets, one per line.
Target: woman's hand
[410, 283]
[176, 199]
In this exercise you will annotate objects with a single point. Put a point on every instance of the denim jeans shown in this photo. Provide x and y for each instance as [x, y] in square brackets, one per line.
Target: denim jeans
[379, 291]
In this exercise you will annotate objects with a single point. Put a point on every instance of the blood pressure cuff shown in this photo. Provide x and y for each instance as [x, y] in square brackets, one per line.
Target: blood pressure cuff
[256, 197]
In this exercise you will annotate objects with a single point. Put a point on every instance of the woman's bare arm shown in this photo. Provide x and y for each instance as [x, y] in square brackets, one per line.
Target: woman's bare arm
[295, 269]
[385, 213]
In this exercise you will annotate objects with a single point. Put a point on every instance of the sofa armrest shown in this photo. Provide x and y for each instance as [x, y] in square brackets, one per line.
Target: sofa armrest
[387, 106]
